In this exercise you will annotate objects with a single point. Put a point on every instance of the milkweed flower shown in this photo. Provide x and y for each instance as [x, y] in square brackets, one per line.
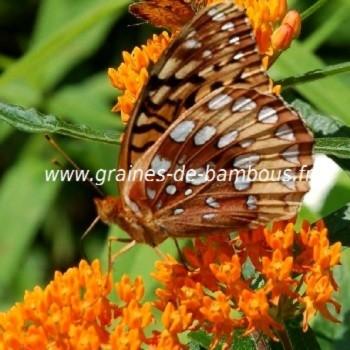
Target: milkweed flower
[274, 28]
[291, 274]
[252, 282]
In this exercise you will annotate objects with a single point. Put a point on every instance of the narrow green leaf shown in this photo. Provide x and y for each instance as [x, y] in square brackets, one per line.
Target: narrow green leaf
[315, 75]
[338, 224]
[312, 9]
[329, 95]
[29, 120]
[20, 215]
[334, 20]
[25, 73]
[338, 147]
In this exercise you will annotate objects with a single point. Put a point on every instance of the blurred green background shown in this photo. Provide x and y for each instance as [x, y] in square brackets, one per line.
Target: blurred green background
[54, 56]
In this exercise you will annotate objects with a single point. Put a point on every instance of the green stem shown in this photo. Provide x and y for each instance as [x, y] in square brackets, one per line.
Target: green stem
[315, 75]
[312, 9]
[284, 339]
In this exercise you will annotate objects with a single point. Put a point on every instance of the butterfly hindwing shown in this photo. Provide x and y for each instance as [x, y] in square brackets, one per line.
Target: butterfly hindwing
[231, 129]
[215, 49]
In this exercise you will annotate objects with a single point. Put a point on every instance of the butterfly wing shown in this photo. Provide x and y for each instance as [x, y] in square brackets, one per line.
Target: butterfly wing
[217, 48]
[168, 14]
[235, 130]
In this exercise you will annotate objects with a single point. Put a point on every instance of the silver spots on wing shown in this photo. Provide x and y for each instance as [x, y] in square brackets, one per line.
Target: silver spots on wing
[241, 183]
[243, 104]
[151, 194]
[211, 202]
[234, 40]
[213, 12]
[188, 192]
[178, 211]
[196, 177]
[246, 160]
[191, 44]
[252, 202]
[204, 135]
[229, 26]
[209, 216]
[182, 131]
[288, 180]
[238, 56]
[132, 205]
[246, 143]
[285, 132]
[220, 17]
[220, 101]
[227, 139]
[160, 165]
[170, 190]
[291, 154]
[207, 54]
[268, 115]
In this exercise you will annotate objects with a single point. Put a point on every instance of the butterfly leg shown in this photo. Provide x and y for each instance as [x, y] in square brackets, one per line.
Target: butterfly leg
[129, 243]
[181, 256]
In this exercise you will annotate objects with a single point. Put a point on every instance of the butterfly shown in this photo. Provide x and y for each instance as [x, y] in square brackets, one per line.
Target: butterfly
[171, 14]
[209, 104]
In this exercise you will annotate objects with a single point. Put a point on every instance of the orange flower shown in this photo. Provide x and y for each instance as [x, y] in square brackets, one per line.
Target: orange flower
[132, 74]
[289, 274]
[255, 306]
[71, 312]
[319, 290]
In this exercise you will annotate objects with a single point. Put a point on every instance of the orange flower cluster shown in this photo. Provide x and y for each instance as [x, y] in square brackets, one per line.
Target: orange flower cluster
[253, 282]
[132, 74]
[274, 27]
[72, 312]
[289, 272]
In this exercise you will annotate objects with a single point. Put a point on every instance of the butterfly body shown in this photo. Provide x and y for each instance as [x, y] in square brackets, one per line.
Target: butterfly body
[208, 106]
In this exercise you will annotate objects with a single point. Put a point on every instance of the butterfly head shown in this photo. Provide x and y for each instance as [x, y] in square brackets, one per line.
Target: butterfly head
[112, 210]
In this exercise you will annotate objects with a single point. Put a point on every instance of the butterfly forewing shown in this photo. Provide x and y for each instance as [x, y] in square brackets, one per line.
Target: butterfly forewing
[170, 14]
[215, 49]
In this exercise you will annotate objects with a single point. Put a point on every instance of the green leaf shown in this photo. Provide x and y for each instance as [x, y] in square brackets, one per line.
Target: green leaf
[315, 74]
[338, 147]
[29, 120]
[20, 215]
[200, 338]
[87, 102]
[56, 14]
[329, 95]
[338, 224]
[321, 124]
[23, 81]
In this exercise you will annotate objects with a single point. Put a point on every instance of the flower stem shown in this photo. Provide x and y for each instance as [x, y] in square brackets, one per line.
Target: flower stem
[284, 339]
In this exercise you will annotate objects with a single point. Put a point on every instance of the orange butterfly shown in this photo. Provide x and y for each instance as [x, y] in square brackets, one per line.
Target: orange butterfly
[171, 14]
[208, 104]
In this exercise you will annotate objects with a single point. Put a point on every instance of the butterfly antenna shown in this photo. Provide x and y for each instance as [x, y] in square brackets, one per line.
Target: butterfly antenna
[55, 145]
[90, 228]
[137, 24]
